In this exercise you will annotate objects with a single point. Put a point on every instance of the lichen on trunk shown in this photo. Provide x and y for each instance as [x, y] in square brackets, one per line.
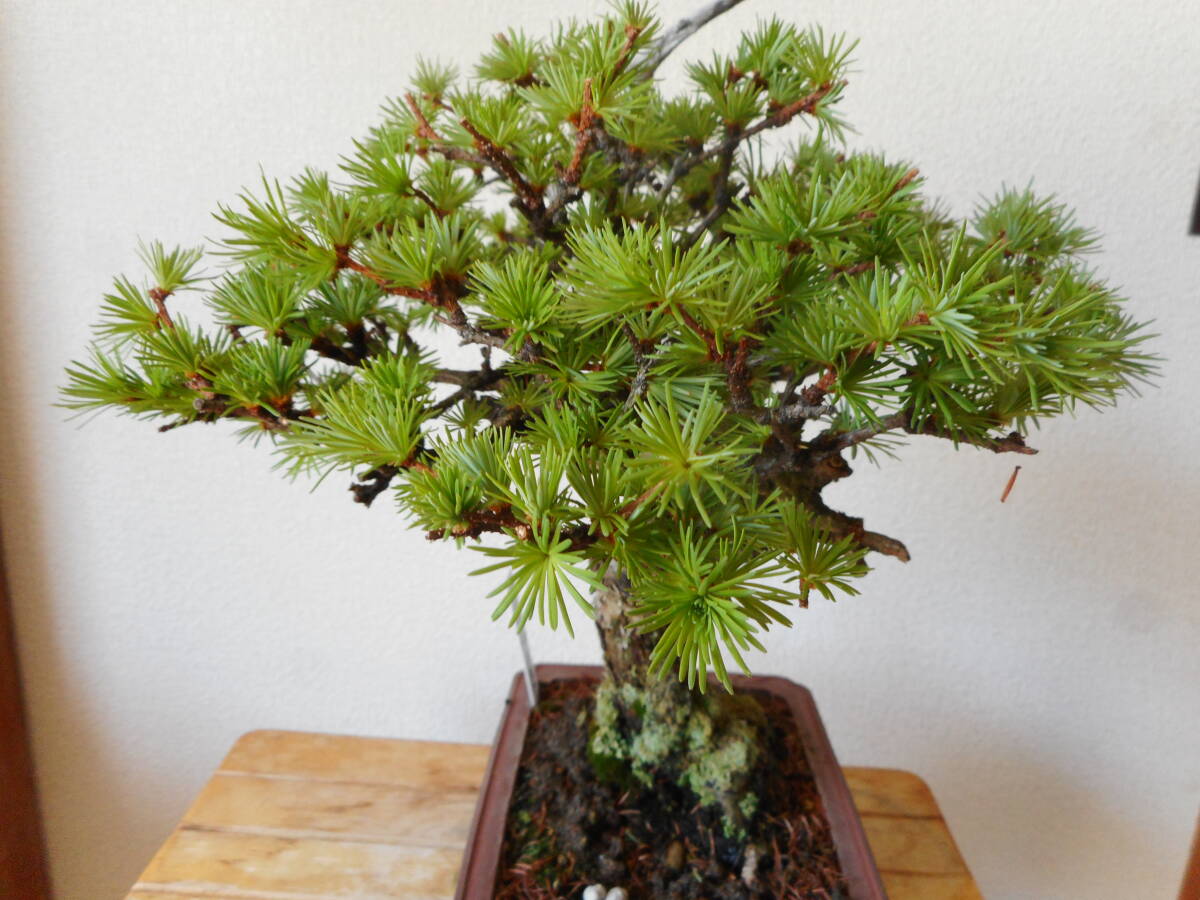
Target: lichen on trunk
[648, 729]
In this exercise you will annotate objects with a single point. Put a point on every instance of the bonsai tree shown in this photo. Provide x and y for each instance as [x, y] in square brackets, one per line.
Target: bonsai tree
[685, 330]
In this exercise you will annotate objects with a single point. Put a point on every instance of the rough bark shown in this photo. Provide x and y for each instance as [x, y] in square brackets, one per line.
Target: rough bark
[626, 651]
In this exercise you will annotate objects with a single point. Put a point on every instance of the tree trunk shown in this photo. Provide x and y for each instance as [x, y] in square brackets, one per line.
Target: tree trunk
[626, 650]
[649, 729]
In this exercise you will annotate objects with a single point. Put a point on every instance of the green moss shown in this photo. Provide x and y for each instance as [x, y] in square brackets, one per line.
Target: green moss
[717, 772]
[608, 748]
[658, 742]
[710, 746]
[748, 805]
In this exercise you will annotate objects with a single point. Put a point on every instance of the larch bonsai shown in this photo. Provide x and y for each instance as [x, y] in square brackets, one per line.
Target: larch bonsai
[683, 332]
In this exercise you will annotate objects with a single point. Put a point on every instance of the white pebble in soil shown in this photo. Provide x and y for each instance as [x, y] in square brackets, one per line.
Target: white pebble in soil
[617, 894]
[594, 892]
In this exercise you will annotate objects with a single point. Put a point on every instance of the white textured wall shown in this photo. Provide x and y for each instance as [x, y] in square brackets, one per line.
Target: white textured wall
[1037, 662]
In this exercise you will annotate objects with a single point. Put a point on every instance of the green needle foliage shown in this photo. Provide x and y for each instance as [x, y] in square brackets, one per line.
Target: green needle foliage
[683, 334]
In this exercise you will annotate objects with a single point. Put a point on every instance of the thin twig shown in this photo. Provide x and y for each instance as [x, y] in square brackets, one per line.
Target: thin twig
[834, 441]
[428, 201]
[438, 143]
[857, 436]
[785, 114]
[443, 299]
[640, 383]
[503, 164]
[722, 197]
[473, 334]
[159, 296]
[474, 381]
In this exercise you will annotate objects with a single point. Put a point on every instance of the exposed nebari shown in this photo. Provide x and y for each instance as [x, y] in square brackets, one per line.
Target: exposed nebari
[682, 333]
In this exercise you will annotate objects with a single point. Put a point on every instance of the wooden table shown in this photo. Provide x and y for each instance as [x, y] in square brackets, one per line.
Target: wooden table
[296, 816]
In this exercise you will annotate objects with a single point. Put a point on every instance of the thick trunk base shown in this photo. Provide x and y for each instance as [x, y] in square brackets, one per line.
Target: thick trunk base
[650, 730]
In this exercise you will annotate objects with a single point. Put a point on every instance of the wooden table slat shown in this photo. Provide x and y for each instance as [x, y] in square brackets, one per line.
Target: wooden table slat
[331, 757]
[298, 816]
[891, 792]
[924, 887]
[921, 846]
[300, 867]
[344, 810]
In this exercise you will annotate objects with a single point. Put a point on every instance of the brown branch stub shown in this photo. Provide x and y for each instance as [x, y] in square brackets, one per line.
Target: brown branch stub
[502, 519]
[587, 117]
[905, 180]
[881, 543]
[201, 385]
[214, 406]
[631, 35]
[370, 485]
[1013, 442]
[839, 526]
[494, 519]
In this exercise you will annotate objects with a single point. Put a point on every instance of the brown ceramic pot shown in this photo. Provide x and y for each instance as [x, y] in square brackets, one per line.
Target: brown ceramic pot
[482, 856]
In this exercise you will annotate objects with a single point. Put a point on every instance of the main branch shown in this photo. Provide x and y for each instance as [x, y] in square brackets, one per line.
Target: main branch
[669, 40]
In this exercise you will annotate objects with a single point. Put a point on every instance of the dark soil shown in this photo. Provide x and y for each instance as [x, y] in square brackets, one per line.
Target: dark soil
[566, 830]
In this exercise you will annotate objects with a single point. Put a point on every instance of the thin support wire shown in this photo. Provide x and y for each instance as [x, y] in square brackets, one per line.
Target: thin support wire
[531, 684]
